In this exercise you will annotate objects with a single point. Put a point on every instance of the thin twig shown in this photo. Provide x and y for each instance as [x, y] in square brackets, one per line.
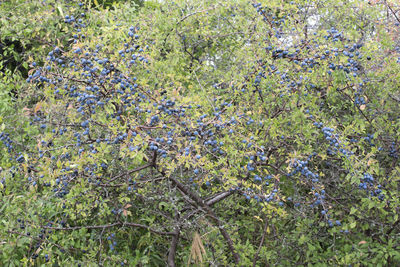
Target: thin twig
[194, 13]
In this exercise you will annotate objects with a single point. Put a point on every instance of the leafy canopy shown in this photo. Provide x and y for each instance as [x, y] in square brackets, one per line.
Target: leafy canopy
[204, 132]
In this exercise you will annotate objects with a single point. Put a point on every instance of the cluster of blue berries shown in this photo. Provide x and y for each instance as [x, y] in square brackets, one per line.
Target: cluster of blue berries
[6, 140]
[302, 168]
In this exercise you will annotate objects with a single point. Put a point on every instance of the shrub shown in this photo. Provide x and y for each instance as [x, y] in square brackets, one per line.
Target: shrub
[235, 133]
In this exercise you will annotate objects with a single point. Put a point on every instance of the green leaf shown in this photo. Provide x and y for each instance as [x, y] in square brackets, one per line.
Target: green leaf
[59, 8]
[353, 210]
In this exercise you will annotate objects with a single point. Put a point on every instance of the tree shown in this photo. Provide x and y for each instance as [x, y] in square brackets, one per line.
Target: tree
[207, 132]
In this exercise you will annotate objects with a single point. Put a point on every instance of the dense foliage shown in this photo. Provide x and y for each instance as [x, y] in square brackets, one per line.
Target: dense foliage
[199, 133]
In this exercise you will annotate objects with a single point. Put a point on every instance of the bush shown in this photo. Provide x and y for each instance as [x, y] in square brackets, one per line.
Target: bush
[208, 132]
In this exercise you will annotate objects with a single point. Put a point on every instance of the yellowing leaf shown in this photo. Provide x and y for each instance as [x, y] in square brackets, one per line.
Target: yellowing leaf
[125, 209]
[258, 218]
[37, 107]
[26, 111]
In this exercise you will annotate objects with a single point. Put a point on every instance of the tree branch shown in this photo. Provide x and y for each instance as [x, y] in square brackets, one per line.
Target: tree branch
[194, 13]
[130, 172]
[261, 242]
[172, 249]
[199, 202]
[219, 197]
[109, 226]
